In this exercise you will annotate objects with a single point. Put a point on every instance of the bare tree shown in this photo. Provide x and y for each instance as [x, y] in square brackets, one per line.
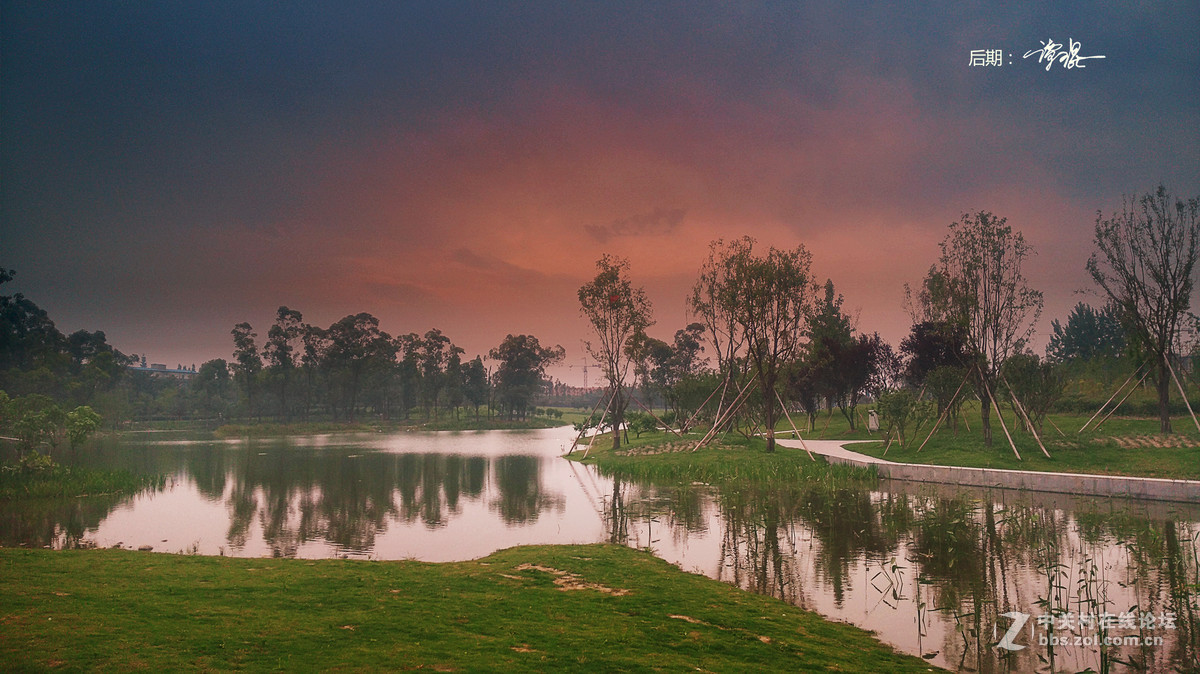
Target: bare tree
[617, 312]
[978, 285]
[1145, 257]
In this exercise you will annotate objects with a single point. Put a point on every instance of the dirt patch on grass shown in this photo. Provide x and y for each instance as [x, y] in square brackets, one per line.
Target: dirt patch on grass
[667, 448]
[1174, 440]
[567, 581]
[694, 621]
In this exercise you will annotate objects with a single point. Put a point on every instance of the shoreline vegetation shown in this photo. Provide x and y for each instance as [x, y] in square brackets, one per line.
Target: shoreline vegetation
[595, 607]
[1127, 446]
[38, 476]
[272, 429]
[732, 462]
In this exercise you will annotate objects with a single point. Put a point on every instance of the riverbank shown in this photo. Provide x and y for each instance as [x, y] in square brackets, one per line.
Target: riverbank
[270, 429]
[730, 460]
[1125, 446]
[538, 608]
[38, 476]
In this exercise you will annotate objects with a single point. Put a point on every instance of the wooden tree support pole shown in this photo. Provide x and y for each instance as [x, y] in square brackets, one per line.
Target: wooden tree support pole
[946, 411]
[724, 391]
[695, 414]
[651, 413]
[1118, 405]
[1060, 431]
[729, 412]
[793, 425]
[584, 429]
[1110, 398]
[1182, 392]
[828, 418]
[1025, 415]
[734, 406]
[1000, 416]
[601, 424]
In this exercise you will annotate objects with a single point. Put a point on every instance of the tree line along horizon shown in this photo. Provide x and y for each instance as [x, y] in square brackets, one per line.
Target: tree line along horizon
[778, 335]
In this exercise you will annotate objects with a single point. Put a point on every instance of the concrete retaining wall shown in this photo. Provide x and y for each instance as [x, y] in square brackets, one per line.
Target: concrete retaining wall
[1187, 491]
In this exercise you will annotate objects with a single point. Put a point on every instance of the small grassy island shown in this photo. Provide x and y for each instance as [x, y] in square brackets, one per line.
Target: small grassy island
[542, 608]
[38, 476]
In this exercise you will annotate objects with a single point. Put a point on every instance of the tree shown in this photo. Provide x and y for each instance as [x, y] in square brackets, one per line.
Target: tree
[211, 388]
[617, 312]
[931, 345]
[769, 299]
[901, 409]
[640, 422]
[938, 361]
[455, 393]
[831, 345]
[978, 287]
[1144, 260]
[713, 300]
[247, 362]
[1037, 384]
[1088, 334]
[36, 420]
[356, 348]
[521, 371]
[81, 423]
[475, 384]
[279, 352]
[433, 356]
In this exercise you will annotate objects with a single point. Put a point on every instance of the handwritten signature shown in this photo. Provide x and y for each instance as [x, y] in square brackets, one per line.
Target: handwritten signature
[1052, 52]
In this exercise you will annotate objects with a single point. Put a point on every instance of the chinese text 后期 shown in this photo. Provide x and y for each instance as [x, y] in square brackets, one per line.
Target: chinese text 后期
[987, 57]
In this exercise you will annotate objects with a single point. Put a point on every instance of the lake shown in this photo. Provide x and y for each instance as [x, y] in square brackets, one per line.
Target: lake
[941, 572]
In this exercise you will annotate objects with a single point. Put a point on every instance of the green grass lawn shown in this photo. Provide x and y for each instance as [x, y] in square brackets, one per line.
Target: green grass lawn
[545, 608]
[1121, 446]
[730, 459]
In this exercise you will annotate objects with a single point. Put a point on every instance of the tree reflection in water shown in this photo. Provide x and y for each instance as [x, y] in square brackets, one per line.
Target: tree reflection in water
[932, 570]
[949, 563]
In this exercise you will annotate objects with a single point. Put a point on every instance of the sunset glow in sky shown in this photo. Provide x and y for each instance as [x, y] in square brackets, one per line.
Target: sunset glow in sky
[170, 169]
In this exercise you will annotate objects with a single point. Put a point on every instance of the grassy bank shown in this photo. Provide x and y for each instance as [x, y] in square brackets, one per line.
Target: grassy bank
[49, 480]
[1121, 446]
[732, 459]
[271, 429]
[494, 424]
[1135, 454]
[546, 608]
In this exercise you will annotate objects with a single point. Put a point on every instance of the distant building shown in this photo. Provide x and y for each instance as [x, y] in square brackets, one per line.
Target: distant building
[161, 370]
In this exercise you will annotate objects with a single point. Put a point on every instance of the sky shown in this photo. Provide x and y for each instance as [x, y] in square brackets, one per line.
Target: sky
[170, 169]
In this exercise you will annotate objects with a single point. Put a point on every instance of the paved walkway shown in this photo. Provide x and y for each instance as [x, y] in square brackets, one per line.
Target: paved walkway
[1187, 491]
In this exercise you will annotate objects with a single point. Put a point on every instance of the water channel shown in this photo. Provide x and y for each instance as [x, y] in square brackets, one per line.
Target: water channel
[940, 572]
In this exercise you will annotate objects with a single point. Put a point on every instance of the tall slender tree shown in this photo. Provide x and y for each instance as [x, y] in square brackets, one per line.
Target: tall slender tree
[1144, 261]
[283, 338]
[772, 301]
[978, 285]
[617, 312]
[247, 363]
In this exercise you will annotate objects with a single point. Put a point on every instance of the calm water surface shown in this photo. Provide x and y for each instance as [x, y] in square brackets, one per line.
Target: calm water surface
[931, 570]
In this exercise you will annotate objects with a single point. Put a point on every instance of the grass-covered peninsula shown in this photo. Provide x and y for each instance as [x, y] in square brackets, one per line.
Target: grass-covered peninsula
[544, 608]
